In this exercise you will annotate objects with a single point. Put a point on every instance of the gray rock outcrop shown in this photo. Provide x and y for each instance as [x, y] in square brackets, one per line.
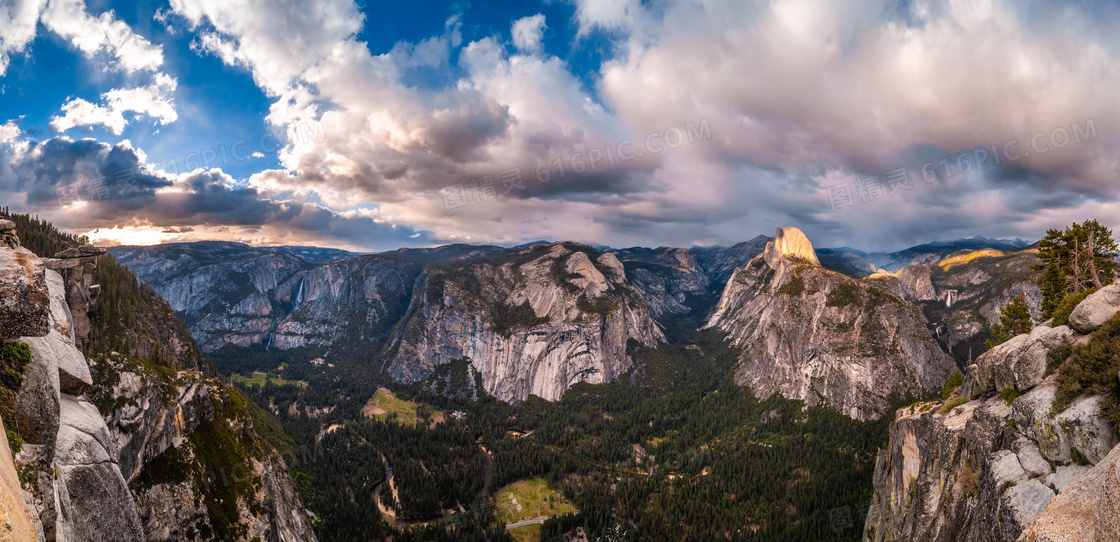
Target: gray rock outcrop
[25, 307]
[989, 470]
[1096, 309]
[1086, 511]
[8, 235]
[90, 436]
[916, 283]
[955, 476]
[81, 494]
[78, 267]
[1020, 362]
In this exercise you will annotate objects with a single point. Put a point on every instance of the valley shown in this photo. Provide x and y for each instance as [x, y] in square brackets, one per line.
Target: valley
[560, 391]
[617, 380]
[559, 271]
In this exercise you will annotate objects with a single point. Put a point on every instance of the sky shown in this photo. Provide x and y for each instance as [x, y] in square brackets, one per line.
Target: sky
[373, 125]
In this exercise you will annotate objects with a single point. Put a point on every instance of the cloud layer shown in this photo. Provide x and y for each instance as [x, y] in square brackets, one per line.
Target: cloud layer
[708, 121]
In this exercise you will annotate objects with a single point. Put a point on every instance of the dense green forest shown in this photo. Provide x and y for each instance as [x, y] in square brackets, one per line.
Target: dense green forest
[671, 449]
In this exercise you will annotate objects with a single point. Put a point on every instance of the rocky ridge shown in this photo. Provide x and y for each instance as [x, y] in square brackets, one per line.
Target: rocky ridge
[666, 277]
[359, 306]
[124, 451]
[74, 488]
[982, 466]
[415, 309]
[817, 335]
[533, 322]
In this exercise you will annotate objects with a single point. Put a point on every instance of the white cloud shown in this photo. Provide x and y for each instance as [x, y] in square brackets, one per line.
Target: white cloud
[155, 101]
[9, 132]
[798, 93]
[105, 33]
[17, 27]
[527, 33]
[276, 40]
[608, 14]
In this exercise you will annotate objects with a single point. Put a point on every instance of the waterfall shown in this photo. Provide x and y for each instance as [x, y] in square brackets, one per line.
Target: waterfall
[299, 295]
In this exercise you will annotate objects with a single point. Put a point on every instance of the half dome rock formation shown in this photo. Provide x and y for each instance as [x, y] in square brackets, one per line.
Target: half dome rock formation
[820, 336]
[791, 244]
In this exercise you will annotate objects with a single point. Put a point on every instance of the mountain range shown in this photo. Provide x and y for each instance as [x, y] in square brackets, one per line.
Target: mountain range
[537, 318]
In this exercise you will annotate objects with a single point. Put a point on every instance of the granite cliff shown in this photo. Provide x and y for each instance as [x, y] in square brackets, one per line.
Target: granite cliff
[414, 309]
[115, 446]
[1024, 449]
[534, 321]
[817, 335]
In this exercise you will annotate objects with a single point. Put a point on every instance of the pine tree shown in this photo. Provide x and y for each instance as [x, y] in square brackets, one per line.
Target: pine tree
[1014, 319]
[1079, 258]
[1053, 286]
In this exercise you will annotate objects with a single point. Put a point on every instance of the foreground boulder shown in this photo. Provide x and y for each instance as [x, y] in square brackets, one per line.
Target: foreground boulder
[1096, 309]
[1087, 511]
[24, 307]
[1019, 363]
[77, 491]
[1081, 425]
[134, 446]
[982, 466]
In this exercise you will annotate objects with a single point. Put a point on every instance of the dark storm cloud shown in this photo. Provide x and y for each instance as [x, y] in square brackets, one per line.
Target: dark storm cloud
[45, 170]
[110, 181]
[458, 134]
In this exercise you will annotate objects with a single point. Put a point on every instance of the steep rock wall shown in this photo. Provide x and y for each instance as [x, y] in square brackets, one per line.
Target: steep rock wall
[816, 335]
[533, 324]
[982, 467]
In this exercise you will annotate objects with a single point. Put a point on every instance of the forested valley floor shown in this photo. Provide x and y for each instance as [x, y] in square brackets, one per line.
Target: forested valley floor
[673, 449]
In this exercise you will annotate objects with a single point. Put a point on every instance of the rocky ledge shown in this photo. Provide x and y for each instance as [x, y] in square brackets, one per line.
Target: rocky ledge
[72, 482]
[119, 448]
[1033, 463]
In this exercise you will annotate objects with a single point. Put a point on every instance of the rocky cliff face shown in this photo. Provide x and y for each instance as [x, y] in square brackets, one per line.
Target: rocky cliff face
[816, 335]
[912, 282]
[132, 449]
[534, 322]
[984, 467]
[74, 488]
[422, 308]
[719, 263]
[236, 294]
